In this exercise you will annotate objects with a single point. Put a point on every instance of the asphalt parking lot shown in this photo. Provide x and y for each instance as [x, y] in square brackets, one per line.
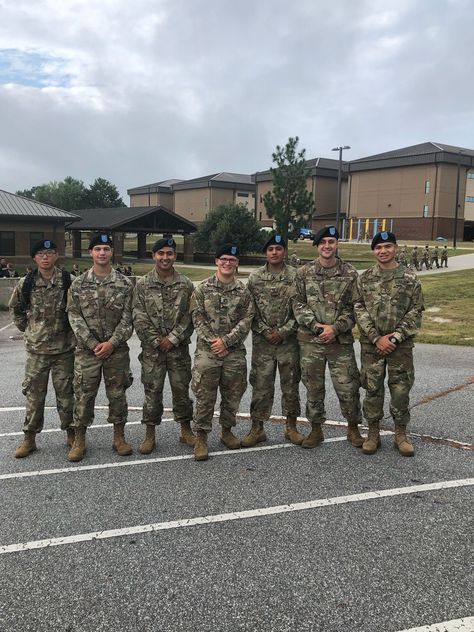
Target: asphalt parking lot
[272, 538]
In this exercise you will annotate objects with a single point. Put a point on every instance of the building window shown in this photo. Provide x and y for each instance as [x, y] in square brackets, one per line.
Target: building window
[7, 243]
[425, 210]
[470, 175]
[241, 194]
[261, 198]
[470, 198]
[427, 186]
[34, 237]
[260, 215]
[253, 195]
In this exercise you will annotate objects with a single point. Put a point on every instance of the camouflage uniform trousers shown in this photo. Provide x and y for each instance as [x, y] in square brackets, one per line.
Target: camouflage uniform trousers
[155, 365]
[401, 377]
[344, 375]
[211, 373]
[265, 360]
[37, 369]
[88, 371]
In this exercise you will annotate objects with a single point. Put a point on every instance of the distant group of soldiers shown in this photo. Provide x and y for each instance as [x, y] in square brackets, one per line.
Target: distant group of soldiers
[428, 257]
[76, 328]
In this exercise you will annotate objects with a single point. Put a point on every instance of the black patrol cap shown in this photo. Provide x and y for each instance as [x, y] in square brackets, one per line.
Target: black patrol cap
[383, 237]
[164, 243]
[327, 231]
[100, 239]
[227, 249]
[275, 240]
[43, 244]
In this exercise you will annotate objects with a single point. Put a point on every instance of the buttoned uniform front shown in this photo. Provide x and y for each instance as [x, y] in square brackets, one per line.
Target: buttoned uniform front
[49, 344]
[223, 311]
[272, 295]
[161, 309]
[100, 310]
[387, 301]
[324, 296]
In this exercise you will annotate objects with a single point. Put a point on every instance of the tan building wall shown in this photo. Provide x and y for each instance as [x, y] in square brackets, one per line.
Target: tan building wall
[247, 198]
[152, 199]
[221, 196]
[193, 204]
[469, 203]
[24, 235]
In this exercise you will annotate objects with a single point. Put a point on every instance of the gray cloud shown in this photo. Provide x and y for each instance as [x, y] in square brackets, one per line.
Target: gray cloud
[178, 88]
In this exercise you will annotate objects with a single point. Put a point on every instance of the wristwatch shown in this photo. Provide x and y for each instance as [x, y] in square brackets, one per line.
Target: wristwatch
[394, 340]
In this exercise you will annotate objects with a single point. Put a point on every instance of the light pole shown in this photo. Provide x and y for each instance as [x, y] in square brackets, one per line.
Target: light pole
[457, 200]
[339, 178]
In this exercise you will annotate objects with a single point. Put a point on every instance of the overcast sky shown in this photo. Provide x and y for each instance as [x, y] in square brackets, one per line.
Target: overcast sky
[142, 91]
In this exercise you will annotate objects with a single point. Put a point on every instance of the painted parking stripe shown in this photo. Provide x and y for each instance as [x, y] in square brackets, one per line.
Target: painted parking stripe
[6, 327]
[456, 625]
[93, 427]
[144, 461]
[237, 515]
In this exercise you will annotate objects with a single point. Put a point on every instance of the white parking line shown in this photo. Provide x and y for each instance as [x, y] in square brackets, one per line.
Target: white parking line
[93, 427]
[456, 625]
[163, 459]
[237, 515]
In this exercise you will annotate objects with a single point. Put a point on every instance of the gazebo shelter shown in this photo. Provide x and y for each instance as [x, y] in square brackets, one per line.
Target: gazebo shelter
[142, 221]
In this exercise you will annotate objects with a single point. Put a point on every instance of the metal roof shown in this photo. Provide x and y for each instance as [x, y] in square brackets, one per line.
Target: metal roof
[325, 167]
[13, 205]
[155, 187]
[416, 150]
[149, 218]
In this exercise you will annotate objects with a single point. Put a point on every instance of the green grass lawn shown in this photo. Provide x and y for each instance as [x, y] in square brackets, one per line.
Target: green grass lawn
[449, 305]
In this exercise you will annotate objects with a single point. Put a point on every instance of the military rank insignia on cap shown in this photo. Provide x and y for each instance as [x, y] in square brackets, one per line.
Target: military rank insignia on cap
[233, 250]
[47, 243]
[166, 242]
[104, 238]
[43, 244]
[100, 239]
[327, 231]
[383, 237]
[276, 240]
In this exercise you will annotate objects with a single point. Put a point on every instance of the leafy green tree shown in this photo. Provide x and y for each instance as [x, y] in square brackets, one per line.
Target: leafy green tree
[103, 194]
[230, 223]
[289, 203]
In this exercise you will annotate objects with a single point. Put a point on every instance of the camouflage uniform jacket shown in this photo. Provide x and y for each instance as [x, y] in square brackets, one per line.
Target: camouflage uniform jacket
[222, 311]
[387, 301]
[161, 309]
[272, 295]
[324, 295]
[100, 310]
[44, 322]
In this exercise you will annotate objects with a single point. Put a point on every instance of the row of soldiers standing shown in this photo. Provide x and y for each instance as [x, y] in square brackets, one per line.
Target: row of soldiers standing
[428, 257]
[301, 320]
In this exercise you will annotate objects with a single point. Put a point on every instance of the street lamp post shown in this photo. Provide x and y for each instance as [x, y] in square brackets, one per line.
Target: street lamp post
[456, 209]
[339, 178]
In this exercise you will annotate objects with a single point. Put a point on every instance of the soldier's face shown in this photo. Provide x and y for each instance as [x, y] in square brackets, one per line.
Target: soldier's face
[101, 254]
[46, 259]
[385, 253]
[327, 248]
[164, 258]
[227, 265]
[275, 254]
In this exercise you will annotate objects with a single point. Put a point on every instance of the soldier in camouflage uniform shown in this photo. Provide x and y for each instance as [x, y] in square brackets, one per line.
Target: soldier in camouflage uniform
[388, 307]
[444, 257]
[415, 259]
[435, 257]
[403, 256]
[222, 311]
[274, 344]
[294, 260]
[324, 311]
[38, 308]
[426, 258]
[100, 313]
[162, 321]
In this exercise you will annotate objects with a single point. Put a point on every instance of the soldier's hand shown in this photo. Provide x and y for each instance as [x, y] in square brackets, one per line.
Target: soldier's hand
[223, 354]
[103, 350]
[327, 336]
[218, 346]
[274, 337]
[166, 345]
[384, 346]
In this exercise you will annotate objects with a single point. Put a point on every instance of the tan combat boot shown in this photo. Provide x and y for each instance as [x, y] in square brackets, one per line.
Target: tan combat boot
[229, 439]
[353, 435]
[148, 444]
[256, 435]
[27, 446]
[70, 436]
[187, 436]
[200, 446]
[372, 443]
[76, 453]
[402, 442]
[314, 438]
[291, 432]
[119, 444]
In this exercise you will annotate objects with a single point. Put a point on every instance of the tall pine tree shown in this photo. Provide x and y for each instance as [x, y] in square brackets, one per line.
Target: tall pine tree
[289, 203]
